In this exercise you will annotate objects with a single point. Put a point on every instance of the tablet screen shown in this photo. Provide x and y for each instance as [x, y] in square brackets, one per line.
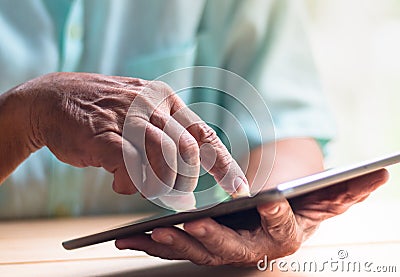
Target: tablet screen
[229, 212]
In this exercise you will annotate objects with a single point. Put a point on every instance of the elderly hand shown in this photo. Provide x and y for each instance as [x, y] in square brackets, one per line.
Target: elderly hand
[282, 227]
[80, 118]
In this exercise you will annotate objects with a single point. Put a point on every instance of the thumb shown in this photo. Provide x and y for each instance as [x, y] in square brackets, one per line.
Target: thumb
[279, 222]
[107, 149]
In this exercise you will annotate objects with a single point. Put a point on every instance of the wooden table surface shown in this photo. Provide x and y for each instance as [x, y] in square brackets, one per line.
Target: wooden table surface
[368, 233]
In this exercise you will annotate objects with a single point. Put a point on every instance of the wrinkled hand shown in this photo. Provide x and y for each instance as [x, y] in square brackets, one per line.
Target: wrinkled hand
[80, 117]
[281, 230]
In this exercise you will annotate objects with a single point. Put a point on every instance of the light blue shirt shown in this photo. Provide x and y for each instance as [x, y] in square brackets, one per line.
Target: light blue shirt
[263, 41]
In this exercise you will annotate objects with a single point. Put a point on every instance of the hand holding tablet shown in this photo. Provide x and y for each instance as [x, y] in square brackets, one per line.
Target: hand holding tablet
[314, 188]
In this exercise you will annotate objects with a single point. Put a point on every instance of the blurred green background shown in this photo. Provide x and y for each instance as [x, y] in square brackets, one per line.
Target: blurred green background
[356, 46]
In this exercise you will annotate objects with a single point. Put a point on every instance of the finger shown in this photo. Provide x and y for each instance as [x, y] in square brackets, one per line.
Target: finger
[279, 223]
[188, 158]
[168, 243]
[220, 240]
[187, 161]
[157, 111]
[146, 244]
[158, 153]
[215, 157]
[122, 179]
[108, 149]
[179, 201]
[337, 199]
[359, 188]
[181, 197]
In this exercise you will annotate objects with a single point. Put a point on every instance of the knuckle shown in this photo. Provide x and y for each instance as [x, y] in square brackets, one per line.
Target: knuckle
[162, 94]
[219, 242]
[161, 87]
[158, 116]
[110, 138]
[184, 249]
[215, 148]
[207, 134]
[284, 230]
[277, 231]
[188, 148]
[135, 82]
[142, 107]
[225, 163]
[349, 197]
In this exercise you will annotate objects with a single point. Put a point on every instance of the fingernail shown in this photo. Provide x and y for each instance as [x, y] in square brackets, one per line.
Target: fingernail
[165, 239]
[272, 211]
[241, 187]
[198, 232]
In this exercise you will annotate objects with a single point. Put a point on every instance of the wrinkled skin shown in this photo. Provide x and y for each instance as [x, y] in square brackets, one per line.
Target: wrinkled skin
[80, 118]
[281, 230]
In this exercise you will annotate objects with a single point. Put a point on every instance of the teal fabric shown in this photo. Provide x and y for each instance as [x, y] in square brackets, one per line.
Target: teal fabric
[264, 41]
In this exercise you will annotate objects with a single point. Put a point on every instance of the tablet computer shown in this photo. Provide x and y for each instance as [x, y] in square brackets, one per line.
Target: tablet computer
[228, 213]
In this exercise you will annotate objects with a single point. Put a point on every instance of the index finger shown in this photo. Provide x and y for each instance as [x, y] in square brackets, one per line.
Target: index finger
[214, 156]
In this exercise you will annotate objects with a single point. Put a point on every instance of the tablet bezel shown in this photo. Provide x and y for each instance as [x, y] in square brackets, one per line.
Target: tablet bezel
[287, 190]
